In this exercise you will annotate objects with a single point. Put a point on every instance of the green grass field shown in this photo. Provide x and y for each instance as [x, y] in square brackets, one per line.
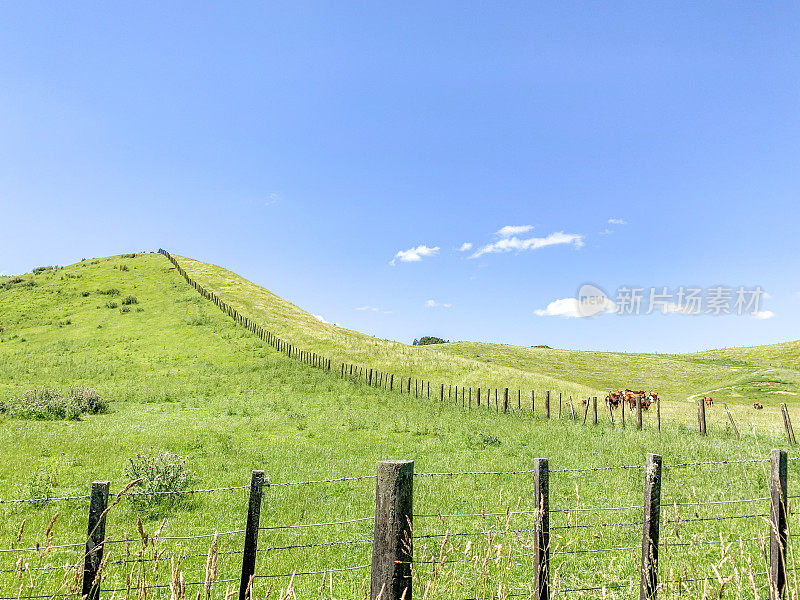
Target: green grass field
[182, 376]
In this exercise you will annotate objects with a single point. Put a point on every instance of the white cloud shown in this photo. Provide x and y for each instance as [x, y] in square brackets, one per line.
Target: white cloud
[465, 246]
[606, 231]
[414, 254]
[319, 318]
[565, 307]
[534, 243]
[272, 198]
[510, 230]
[763, 314]
[614, 221]
[371, 308]
[3, 273]
[571, 308]
[434, 304]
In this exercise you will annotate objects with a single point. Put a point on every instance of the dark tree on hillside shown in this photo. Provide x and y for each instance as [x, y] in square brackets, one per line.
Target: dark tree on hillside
[427, 339]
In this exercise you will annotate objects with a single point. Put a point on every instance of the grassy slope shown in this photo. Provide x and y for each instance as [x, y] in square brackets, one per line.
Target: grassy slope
[182, 376]
[733, 376]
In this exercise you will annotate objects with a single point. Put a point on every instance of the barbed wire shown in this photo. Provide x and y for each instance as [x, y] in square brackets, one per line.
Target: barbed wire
[454, 473]
[556, 552]
[316, 545]
[180, 537]
[178, 492]
[41, 500]
[670, 544]
[716, 462]
[588, 469]
[596, 509]
[471, 533]
[593, 525]
[43, 547]
[667, 505]
[312, 481]
[484, 514]
[336, 570]
[273, 527]
[168, 585]
[694, 519]
[465, 560]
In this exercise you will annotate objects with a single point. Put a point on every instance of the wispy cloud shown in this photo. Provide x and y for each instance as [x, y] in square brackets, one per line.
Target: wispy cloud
[370, 308]
[414, 254]
[434, 304]
[465, 246]
[763, 314]
[510, 230]
[614, 221]
[534, 243]
[319, 318]
[272, 198]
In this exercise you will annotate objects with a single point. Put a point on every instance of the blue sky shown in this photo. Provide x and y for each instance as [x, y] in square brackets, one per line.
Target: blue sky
[319, 149]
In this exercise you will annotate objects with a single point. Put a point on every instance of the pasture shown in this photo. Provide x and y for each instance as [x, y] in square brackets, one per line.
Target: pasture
[181, 376]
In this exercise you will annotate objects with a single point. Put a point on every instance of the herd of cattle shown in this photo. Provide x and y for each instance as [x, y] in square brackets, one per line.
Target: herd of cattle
[618, 397]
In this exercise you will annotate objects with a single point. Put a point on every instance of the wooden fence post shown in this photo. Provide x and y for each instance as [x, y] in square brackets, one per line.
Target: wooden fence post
[650, 533]
[505, 400]
[610, 412]
[622, 405]
[533, 401]
[392, 549]
[787, 424]
[541, 540]
[638, 412]
[251, 536]
[701, 415]
[94, 539]
[559, 405]
[547, 404]
[586, 410]
[519, 399]
[658, 412]
[730, 418]
[779, 527]
[571, 408]
[391, 382]
[594, 410]
[478, 397]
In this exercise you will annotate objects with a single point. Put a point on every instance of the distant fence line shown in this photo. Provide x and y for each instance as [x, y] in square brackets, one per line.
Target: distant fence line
[501, 399]
[392, 553]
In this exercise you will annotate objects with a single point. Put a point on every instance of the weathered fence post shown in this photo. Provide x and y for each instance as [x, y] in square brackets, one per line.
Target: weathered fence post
[533, 401]
[730, 418]
[478, 397]
[622, 405]
[391, 382]
[787, 424]
[571, 408]
[610, 412]
[251, 536]
[650, 534]
[594, 410]
[638, 412]
[505, 400]
[541, 540]
[94, 540]
[586, 410]
[547, 404]
[779, 527]
[658, 412]
[519, 399]
[701, 415]
[392, 549]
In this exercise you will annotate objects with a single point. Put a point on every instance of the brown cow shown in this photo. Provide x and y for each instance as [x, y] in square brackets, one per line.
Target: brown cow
[758, 405]
[708, 400]
[615, 398]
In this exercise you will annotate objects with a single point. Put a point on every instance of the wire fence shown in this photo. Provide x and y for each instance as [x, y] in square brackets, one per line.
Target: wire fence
[492, 551]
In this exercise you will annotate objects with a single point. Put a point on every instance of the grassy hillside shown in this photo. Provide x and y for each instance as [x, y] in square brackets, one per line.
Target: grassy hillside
[729, 376]
[182, 377]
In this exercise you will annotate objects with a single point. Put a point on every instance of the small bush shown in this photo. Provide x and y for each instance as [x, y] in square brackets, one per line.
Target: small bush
[128, 256]
[85, 293]
[18, 282]
[125, 309]
[129, 300]
[158, 472]
[38, 270]
[123, 267]
[427, 339]
[42, 404]
[111, 304]
[89, 400]
[109, 292]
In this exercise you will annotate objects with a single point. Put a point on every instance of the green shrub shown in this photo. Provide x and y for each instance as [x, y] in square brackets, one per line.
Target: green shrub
[42, 404]
[111, 304]
[125, 309]
[129, 300]
[38, 270]
[128, 256]
[158, 472]
[109, 292]
[427, 339]
[18, 281]
[123, 267]
[89, 400]
[85, 293]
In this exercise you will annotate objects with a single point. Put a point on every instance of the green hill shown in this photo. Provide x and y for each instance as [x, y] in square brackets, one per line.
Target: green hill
[183, 377]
